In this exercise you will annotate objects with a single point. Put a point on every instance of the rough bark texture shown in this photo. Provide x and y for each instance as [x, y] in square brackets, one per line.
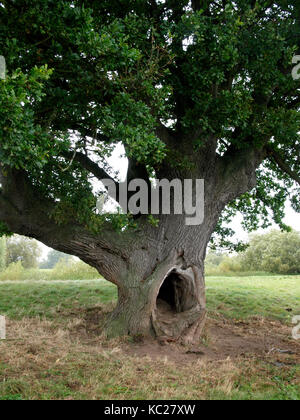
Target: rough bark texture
[168, 303]
[159, 271]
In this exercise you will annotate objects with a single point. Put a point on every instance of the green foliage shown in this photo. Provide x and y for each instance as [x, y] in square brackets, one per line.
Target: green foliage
[4, 230]
[24, 143]
[214, 258]
[63, 270]
[113, 72]
[217, 263]
[152, 220]
[24, 250]
[14, 271]
[274, 252]
[73, 270]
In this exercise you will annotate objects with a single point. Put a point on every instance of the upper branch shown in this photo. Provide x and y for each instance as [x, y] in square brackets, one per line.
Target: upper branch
[88, 164]
[279, 160]
[237, 173]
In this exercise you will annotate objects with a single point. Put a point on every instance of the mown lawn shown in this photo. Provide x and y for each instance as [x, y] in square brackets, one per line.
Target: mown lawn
[49, 355]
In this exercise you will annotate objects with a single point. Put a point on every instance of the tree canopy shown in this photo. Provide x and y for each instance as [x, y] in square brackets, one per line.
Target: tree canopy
[167, 79]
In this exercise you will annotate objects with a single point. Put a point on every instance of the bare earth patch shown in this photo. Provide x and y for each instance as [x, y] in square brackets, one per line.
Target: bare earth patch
[227, 339]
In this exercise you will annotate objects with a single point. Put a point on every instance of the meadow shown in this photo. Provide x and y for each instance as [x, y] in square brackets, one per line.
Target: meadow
[55, 350]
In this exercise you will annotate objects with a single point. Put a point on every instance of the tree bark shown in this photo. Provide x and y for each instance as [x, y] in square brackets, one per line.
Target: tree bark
[169, 303]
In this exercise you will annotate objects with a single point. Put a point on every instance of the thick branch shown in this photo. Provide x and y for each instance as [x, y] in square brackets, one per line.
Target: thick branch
[165, 135]
[276, 157]
[26, 212]
[237, 173]
[89, 165]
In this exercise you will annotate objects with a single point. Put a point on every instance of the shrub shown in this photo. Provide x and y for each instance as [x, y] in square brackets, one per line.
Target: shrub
[231, 264]
[53, 258]
[218, 263]
[73, 270]
[14, 271]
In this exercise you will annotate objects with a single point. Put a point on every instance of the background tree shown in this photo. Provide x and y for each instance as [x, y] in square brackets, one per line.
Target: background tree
[23, 249]
[274, 252]
[215, 258]
[53, 258]
[192, 89]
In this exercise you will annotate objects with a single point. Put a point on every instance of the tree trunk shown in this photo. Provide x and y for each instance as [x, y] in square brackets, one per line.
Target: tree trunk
[168, 302]
[159, 271]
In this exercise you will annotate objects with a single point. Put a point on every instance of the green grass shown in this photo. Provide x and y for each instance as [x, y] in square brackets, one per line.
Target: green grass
[51, 357]
[48, 298]
[274, 297]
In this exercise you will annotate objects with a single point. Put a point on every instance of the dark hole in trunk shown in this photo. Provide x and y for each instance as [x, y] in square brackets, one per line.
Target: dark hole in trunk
[170, 293]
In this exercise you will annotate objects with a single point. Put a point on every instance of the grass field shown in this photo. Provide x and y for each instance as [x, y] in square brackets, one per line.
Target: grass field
[54, 349]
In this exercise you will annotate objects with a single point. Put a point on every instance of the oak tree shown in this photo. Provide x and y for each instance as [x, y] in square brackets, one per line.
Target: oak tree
[193, 90]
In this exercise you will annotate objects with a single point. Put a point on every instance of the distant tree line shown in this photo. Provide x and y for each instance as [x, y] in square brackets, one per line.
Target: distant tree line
[274, 252]
[54, 257]
[2, 253]
[28, 252]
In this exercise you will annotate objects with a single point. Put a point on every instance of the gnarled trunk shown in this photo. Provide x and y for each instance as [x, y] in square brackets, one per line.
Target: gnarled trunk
[169, 304]
[162, 291]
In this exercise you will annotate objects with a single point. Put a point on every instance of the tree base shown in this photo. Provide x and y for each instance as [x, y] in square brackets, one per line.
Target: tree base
[170, 306]
[185, 327]
[179, 313]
